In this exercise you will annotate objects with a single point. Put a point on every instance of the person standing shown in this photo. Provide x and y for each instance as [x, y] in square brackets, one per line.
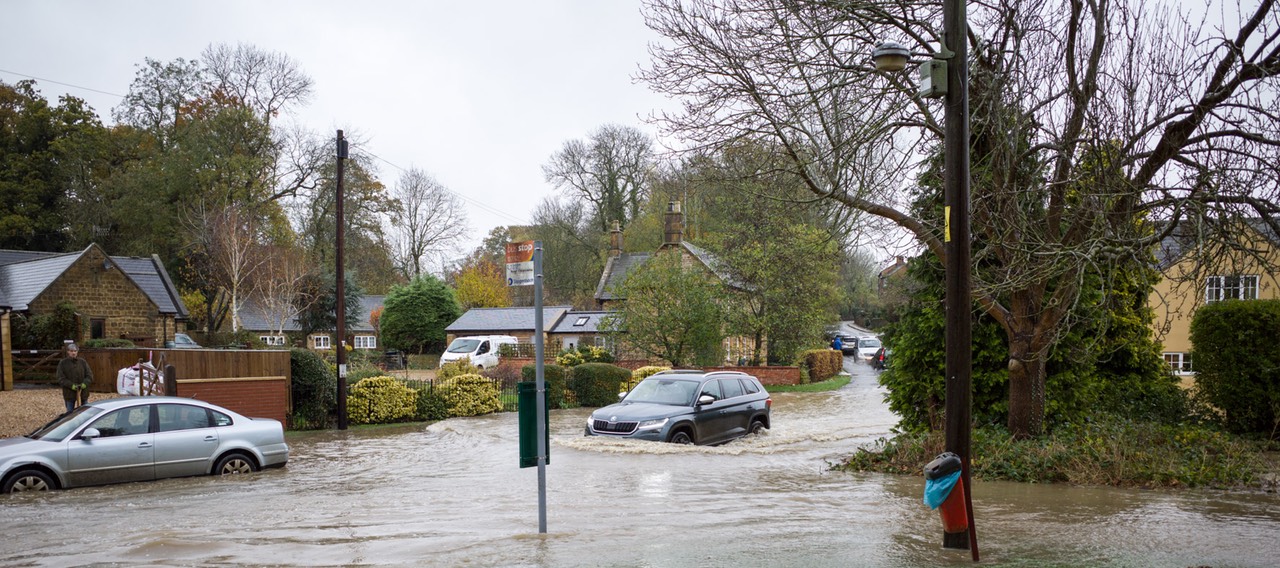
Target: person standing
[837, 344]
[75, 376]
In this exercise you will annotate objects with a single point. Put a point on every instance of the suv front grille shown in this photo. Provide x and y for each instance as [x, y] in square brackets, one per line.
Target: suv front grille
[606, 427]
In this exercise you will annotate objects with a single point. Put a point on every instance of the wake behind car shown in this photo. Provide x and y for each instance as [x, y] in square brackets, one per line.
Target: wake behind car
[687, 407]
[139, 438]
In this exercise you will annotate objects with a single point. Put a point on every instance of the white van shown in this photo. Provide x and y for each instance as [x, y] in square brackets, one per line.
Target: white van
[481, 349]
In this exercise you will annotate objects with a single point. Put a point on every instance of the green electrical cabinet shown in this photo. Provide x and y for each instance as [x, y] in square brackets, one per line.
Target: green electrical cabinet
[527, 402]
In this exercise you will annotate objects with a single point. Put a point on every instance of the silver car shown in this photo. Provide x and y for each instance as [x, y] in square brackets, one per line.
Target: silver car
[136, 439]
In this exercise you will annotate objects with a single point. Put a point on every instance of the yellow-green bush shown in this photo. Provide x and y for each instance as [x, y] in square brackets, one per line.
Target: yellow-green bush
[822, 364]
[457, 367]
[570, 359]
[381, 400]
[469, 395]
[638, 375]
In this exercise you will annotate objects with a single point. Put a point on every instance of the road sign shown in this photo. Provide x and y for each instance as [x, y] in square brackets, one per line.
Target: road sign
[520, 263]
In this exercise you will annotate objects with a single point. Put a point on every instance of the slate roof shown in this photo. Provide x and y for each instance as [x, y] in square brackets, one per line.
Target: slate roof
[494, 320]
[254, 318]
[617, 268]
[580, 322]
[25, 274]
[1172, 247]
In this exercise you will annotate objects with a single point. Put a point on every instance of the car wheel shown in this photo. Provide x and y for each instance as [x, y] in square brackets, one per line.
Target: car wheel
[231, 464]
[757, 427]
[681, 437]
[28, 480]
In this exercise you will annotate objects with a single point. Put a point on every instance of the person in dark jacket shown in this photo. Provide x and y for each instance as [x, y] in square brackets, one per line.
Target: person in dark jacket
[75, 376]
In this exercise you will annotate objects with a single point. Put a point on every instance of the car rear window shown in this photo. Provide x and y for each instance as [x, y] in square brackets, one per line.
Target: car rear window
[751, 387]
[731, 387]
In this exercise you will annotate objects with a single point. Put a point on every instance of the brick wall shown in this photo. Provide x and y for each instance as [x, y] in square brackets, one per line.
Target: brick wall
[259, 397]
[767, 375]
[107, 294]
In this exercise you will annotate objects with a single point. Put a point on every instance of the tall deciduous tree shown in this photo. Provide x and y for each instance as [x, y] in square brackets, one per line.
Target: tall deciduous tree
[427, 220]
[672, 312]
[482, 284]
[611, 170]
[1053, 86]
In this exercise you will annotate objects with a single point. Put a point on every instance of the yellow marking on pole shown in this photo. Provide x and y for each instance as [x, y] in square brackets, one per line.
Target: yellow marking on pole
[946, 213]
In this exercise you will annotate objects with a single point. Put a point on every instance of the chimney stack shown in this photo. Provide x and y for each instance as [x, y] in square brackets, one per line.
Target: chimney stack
[615, 240]
[673, 224]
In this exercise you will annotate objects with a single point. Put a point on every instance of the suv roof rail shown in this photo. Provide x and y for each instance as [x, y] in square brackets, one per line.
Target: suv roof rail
[680, 372]
[728, 373]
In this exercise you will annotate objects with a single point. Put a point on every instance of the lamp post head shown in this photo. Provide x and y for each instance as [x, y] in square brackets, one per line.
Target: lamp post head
[891, 56]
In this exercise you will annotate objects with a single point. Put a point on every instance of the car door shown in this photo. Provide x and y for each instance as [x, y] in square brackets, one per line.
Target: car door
[735, 414]
[123, 451]
[709, 418]
[185, 440]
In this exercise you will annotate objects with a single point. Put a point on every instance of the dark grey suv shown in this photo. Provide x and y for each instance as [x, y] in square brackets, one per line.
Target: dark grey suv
[687, 407]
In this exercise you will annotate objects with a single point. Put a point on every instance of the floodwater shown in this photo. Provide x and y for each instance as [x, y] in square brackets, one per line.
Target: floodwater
[452, 494]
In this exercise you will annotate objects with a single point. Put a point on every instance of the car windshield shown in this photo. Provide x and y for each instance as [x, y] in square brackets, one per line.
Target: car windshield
[64, 425]
[676, 392]
[871, 343]
[463, 345]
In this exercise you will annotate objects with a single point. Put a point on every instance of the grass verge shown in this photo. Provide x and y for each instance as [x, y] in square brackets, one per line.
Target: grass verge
[1111, 452]
[828, 385]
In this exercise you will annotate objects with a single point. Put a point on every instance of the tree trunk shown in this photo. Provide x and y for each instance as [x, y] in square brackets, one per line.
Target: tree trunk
[1026, 389]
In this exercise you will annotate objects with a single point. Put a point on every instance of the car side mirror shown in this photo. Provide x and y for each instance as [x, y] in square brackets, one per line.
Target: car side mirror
[90, 433]
[622, 395]
[706, 399]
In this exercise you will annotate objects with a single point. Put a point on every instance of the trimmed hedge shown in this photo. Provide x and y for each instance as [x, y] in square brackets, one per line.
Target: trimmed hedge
[314, 388]
[556, 378]
[822, 364]
[381, 400]
[469, 395]
[1237, 362]
[598, 384]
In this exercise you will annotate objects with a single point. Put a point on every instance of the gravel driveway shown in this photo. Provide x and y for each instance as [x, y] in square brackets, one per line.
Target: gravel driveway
[26, 408]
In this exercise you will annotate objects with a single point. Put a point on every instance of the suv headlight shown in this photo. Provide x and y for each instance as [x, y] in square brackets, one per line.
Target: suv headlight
[652, 424]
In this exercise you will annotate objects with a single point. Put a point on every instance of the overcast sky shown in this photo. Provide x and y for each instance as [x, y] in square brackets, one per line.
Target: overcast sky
[478, 94]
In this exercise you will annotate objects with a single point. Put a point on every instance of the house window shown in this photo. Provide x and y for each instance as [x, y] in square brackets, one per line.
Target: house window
[1219, 288]
[602, 341]
[97, 328]
[366, 342]
[322, 341]
[272, 340]
[1179, 363]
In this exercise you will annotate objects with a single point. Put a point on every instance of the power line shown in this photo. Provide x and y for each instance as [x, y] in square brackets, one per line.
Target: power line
[478, 204]
[60, 83]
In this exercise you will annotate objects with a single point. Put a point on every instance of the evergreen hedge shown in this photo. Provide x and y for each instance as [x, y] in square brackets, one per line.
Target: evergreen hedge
[598, 384]
[1237, 362]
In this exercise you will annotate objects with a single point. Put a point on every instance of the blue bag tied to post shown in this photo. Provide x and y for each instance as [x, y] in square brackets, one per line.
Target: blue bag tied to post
[937, 490]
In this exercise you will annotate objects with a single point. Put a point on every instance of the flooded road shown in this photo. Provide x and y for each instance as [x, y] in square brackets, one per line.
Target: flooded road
[451, 494]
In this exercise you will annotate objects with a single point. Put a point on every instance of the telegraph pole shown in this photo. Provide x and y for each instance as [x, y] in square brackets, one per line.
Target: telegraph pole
[340, 291]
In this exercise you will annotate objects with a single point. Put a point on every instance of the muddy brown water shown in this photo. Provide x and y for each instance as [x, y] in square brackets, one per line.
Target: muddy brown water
[452, 494]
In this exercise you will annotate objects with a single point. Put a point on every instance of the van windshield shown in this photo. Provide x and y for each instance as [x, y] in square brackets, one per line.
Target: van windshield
[461, 345]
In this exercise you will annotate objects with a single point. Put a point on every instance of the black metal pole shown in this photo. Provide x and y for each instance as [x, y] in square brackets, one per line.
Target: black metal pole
[340, 291]
[959, 338]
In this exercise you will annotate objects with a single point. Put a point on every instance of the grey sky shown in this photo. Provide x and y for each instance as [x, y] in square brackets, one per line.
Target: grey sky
[478, 94]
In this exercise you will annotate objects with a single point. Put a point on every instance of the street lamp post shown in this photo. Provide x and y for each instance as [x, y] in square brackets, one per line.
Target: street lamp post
[953, 57]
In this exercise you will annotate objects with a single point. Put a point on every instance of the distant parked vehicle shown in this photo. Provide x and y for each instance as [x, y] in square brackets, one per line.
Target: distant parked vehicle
[182, 341]
[867, 347]
[849, 344]
[482, 350]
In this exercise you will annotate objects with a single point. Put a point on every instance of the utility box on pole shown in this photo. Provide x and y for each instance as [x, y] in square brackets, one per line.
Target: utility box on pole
[526, 392]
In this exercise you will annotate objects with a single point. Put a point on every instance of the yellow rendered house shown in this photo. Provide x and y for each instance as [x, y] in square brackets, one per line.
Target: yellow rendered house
[1195, 276]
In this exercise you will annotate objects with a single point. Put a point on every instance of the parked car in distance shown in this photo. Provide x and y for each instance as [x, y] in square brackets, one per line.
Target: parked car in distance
[849, 344]
[867, 347]
[482, 350]
[880, 361]
[182, 341]
[139, 438]
[687, 407]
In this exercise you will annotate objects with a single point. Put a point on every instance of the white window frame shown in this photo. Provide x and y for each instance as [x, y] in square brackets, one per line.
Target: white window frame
[366, 342]
[1219, 288]
[272, 340]
[1179, 363]
[322, 342]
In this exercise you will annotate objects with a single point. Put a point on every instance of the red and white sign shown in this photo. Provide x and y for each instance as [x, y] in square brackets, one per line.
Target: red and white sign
[520, 263]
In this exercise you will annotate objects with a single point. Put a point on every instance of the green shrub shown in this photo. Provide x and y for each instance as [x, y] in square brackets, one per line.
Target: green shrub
[822, 364]
[1237, 363]
[431, 404]
[598, 384]
[469, 395]
[107, 343]
[570, 358]
[556, 378]
[314, 389]
[456, 368]
[44, 331]
[381, 400]
[640, 374]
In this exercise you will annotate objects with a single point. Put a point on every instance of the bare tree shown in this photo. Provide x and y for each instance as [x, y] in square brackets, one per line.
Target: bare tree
[283, 288]
[427, 220]
[230, 236]
[267, 82]
[611, 170]
[1094, 138]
